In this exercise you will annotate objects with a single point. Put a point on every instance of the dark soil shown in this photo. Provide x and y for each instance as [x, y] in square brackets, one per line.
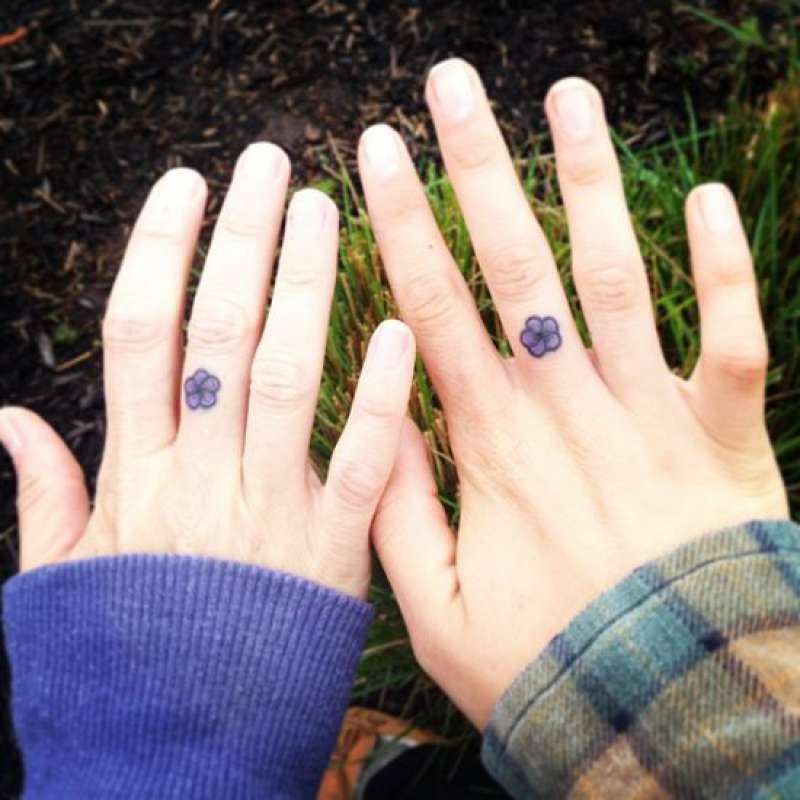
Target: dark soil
[97, 97]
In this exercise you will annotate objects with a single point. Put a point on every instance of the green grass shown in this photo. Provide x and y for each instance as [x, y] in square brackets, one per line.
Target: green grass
[755, 150]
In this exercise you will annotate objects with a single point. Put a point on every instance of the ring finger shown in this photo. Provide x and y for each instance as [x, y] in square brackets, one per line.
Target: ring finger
[287, 366]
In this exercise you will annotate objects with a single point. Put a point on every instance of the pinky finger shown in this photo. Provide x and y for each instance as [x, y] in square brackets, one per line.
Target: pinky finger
[731, 373]
[363, 459]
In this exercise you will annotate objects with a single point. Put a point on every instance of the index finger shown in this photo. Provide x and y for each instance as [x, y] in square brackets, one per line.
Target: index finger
[431, 292]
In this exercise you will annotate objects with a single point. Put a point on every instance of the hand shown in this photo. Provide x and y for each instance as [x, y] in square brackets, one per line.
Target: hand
[207, 450]
[575, 466]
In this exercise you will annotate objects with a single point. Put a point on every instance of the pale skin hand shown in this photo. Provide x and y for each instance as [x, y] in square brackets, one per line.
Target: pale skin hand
[230, 478]
[575, 466]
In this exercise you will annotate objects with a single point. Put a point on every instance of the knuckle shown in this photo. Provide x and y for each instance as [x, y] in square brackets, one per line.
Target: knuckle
[239, 224]
[587, 167]
[746, 365]
[133, 329]
[376, 416]
[31, 491]
[476, 152]
[356, 482]
[218, 325]
[405, 205]
[161, 238]
[430, 298]
[159, 232]
[278, 383]
[610, 286]
[377, 419]
[730, 271]
[513, 270]
[298, 277]
[377, 410]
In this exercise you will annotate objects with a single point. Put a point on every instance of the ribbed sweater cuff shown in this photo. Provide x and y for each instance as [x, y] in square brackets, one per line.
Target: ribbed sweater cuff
[177, 676]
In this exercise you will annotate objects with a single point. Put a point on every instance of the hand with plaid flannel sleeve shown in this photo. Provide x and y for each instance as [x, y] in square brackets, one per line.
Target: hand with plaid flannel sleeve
[681, 681]
[589, 474]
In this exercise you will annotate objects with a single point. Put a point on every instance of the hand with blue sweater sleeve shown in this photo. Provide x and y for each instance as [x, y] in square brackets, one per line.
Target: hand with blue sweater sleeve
[580, 466]
[195, 633]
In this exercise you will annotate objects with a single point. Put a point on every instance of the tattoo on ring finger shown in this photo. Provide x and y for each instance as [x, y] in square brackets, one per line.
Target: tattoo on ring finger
[540, 336]
[201, 389]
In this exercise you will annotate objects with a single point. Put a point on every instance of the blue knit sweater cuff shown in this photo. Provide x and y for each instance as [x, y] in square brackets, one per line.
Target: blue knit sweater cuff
[177, 676]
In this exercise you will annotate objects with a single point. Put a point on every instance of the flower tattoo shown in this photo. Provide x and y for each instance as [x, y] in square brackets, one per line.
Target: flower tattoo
[201, 389]
[540, 336]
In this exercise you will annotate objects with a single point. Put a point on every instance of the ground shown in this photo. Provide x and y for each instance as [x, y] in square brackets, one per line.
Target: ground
[100, 96]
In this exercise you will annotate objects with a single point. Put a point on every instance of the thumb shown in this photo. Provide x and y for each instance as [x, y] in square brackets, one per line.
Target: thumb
[414, 543]
[52, 501]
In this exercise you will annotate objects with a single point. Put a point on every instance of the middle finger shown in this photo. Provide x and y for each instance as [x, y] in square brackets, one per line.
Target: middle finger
[228, 311]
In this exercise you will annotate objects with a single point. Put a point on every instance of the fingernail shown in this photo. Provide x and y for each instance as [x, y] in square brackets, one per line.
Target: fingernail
[389, 343]
[307, 212]
[9, 434]
[263, 159]
[574, 109]
[174, 195]
[179, 186]
[382, 149]
[718, 208]
[453, 88]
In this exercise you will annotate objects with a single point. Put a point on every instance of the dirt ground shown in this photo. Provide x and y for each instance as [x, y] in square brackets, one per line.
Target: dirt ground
[97, 97]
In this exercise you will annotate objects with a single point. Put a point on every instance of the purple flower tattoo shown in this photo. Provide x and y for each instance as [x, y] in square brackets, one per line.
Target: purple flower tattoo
[540, 336]
[201, 389]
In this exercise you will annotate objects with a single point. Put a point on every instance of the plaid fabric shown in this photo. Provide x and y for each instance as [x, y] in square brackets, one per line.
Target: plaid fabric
[681, 681]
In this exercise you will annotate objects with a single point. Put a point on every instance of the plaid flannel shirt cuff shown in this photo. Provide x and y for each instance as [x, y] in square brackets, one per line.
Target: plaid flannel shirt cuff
[683, 680]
